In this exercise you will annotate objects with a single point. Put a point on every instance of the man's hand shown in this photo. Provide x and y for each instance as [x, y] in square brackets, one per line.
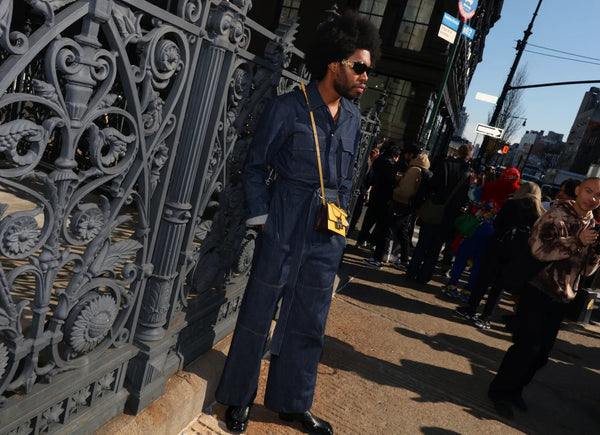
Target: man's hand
[588, 236]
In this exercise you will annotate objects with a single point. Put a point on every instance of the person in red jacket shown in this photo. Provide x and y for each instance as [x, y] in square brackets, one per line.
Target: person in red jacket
[488, 199]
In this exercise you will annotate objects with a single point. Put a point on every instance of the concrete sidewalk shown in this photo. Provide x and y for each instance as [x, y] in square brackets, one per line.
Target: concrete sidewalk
[398, 361]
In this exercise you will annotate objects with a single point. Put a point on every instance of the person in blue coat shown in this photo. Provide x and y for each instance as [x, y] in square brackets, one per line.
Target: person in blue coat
[293, 262]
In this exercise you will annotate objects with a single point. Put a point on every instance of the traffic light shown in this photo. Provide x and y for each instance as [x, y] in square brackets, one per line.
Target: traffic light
[504, 149]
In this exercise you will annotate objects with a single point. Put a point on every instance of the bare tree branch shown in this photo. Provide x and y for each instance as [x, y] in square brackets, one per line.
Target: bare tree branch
[511, 116]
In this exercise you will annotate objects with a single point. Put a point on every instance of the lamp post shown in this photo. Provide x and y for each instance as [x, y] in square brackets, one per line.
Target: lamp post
[526, 158]
[505, 117]
[518, 117]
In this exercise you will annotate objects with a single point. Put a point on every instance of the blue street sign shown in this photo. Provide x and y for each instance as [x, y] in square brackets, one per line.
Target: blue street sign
[469, 32]
[450, 21]
[467, 8]
[453, 23]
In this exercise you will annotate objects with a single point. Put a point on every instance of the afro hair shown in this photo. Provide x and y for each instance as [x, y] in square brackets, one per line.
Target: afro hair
[338, 38]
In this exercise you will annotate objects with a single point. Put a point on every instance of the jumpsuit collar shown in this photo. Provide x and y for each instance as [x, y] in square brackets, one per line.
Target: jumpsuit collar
[316, 101]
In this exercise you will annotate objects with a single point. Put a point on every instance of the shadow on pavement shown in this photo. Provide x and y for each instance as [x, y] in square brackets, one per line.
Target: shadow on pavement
[584, 356]
[476, 352]
[432, 384]
[563, 397]
[437, 431]
[390, 299]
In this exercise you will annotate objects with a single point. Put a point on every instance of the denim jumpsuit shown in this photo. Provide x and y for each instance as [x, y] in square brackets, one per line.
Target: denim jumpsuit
[292, 261]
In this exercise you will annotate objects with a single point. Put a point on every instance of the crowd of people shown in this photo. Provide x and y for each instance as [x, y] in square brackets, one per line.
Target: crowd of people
[537, 249]
[402, 187]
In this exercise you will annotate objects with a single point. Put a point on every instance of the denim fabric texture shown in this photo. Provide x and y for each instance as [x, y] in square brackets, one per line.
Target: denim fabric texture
[293, 262]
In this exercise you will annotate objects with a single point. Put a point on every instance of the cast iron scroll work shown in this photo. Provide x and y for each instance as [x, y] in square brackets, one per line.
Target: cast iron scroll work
[88, 109]
[14, 42]
[92, 99]
[224, 256]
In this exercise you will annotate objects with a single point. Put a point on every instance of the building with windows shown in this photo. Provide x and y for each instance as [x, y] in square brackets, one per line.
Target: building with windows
[582, 143]
[463, 120]
[536, 153]
[413, 62]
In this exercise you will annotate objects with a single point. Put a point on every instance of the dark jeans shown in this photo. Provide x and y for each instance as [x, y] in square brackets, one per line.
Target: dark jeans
[425, 255]
[537, 325]
[471, 247]
[488, 277]
[374, 214]
[360, 202]
[397, 227]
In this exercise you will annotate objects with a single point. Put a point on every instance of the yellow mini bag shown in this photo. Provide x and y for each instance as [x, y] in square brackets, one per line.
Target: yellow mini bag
[331, 218]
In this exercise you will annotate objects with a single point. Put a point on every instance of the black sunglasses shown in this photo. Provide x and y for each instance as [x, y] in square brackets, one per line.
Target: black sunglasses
[358, 67]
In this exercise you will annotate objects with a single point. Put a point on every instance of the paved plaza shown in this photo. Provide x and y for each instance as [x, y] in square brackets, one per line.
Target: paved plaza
[397, 360]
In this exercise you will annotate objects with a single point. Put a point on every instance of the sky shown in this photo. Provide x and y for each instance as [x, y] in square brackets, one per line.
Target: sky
[567, 26]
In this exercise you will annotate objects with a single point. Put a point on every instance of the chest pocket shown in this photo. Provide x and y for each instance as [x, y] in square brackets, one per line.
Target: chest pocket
[346, 162]
[303, 158]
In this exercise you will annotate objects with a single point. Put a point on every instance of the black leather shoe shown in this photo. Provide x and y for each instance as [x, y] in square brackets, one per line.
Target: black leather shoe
[310, 423]
[503, 404]
[519, 403]
[236, 418]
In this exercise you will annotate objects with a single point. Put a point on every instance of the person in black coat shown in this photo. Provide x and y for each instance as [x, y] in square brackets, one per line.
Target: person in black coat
[382, 177]
[519, 212]
[450, 184]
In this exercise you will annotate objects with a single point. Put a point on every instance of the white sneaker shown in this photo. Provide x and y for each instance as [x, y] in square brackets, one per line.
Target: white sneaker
[390, 258]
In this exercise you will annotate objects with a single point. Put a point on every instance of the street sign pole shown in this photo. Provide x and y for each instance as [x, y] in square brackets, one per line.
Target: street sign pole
[440, 94]
[466, 9]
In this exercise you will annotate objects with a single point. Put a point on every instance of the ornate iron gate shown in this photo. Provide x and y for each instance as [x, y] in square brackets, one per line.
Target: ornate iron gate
[123, 250]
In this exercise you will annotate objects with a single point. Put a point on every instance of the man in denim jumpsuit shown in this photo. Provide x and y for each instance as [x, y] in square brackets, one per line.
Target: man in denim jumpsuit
[294, 262]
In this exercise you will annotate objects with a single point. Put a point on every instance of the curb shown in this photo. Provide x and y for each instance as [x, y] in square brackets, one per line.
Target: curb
[187, 393]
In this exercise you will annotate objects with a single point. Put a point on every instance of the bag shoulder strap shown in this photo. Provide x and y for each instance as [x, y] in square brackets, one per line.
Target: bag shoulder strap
[312, 119]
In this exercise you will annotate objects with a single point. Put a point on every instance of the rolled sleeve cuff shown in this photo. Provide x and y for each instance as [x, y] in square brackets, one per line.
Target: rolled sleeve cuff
[256, 220]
